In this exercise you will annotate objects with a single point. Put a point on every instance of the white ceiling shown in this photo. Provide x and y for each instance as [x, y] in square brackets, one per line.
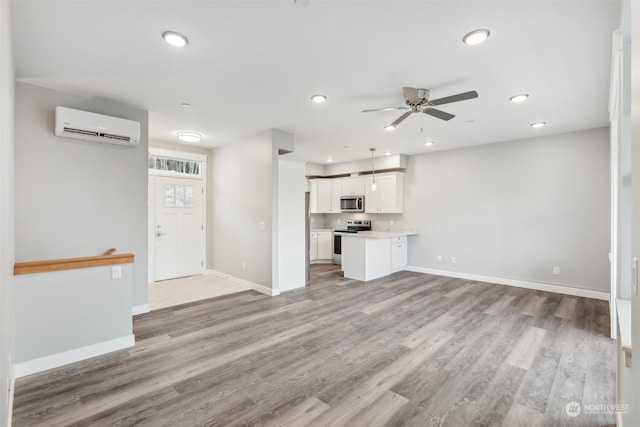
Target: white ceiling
[251, 66]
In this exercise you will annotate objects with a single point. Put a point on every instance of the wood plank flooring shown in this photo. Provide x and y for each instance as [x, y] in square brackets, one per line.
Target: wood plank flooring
[409, 349]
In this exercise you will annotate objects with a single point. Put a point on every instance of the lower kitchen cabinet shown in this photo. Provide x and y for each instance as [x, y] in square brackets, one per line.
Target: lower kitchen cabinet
[321, 246]
[399, 258]
[325, 245]
[313, 246]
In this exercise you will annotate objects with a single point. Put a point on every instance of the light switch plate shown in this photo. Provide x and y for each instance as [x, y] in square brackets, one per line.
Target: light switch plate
[116, 272]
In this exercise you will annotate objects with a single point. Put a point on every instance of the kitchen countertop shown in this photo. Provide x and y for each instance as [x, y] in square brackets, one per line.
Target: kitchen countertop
[321, 229]
[379, 234]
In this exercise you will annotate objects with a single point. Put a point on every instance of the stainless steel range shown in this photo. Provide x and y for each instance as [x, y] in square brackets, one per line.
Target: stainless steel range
[353, 226]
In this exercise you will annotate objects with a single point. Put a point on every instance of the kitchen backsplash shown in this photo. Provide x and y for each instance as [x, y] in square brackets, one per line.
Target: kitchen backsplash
[380, 222]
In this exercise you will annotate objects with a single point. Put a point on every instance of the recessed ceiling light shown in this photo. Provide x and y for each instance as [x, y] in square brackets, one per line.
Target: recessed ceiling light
[476, 36]
[189, 136]
[429, 143]
[318, 99]
[174, 39]
[387, 153]
[389, 128]
[329, 160]
[519, 98]
[538, 124]
[185, 105]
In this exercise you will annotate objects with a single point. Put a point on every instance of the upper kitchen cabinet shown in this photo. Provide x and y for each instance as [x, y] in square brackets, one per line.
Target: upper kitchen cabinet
[389, 195]
[353, 186]
[324, 196]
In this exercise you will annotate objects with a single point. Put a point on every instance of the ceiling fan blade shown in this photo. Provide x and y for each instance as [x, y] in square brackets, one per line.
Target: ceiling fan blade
[401, 118]
[438, 113]
[411, 94]
[455, 98]
[385, 109]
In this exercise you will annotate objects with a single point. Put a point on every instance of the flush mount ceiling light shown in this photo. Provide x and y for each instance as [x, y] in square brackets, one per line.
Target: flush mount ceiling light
[318, 98]
[389, 128]
[519, 98]
[185, 105]
[329, 160]
[387, 153]
[189, 136]
[538, 125]
[476, 36]
[175, 39]
[428, 143]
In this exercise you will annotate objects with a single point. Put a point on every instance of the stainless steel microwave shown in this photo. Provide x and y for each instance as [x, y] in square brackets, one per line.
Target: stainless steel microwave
[352, 204]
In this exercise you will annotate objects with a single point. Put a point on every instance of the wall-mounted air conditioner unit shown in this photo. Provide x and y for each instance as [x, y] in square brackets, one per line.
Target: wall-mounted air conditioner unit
[96, 127]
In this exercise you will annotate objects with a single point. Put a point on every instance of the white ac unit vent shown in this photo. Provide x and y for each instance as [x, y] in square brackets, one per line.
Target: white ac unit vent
[96, 127]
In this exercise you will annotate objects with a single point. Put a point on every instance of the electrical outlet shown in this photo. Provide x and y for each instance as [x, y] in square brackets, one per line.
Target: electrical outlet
[556, 271]
[262, 225]
[244, 265]
[390, 222]
[440, 258]
[453, 260]
[116, 272]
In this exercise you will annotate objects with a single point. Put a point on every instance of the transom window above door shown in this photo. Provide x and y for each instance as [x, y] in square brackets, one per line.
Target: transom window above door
[175, 167]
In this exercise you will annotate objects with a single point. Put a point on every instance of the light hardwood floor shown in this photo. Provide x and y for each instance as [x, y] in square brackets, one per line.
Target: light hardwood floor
[406, 350]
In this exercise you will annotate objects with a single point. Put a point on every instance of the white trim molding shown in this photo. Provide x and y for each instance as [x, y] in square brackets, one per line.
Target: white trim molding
[60, 359]
[547, 287]
[256, 287]
[140, 309]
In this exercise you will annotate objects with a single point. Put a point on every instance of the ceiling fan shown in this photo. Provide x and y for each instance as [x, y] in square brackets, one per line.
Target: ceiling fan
[417, 101]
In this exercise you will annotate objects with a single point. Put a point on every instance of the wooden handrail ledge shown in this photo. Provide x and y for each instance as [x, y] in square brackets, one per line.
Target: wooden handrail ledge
[109, 258]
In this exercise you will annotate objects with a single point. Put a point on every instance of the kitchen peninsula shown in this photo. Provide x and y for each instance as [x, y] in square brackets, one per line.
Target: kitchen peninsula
[368, 255]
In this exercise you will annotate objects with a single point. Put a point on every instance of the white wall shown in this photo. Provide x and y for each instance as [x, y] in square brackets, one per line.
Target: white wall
[635, 119]
[76, 198]
[291, 239]
[241, 182]
[73, 199]
[7, 220]
[515, 210]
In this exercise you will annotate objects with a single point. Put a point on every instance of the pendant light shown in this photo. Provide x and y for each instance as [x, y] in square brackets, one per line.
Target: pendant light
[374, 187]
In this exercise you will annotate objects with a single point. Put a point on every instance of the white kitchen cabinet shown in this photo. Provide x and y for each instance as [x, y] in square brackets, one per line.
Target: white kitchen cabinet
[336, 192]
[324, 195]
[353, 186]
[313, 246]
[399, 258]
[325, 245]
[389, 195]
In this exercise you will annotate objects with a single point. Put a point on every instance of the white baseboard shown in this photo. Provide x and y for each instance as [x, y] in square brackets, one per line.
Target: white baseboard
[262, 289]
[558, 289]
[140, 309]
[55, 360]
[12, 382]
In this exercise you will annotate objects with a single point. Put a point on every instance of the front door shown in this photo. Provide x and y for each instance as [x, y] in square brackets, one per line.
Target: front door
[179, 227]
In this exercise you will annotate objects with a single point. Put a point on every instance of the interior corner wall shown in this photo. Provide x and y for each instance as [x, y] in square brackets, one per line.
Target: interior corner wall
[515, 210]
[197, 150]
[77, 198]
[7, 219]
[242, 193]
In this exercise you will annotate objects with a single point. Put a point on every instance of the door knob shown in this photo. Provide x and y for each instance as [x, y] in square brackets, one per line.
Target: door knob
[159, 234]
